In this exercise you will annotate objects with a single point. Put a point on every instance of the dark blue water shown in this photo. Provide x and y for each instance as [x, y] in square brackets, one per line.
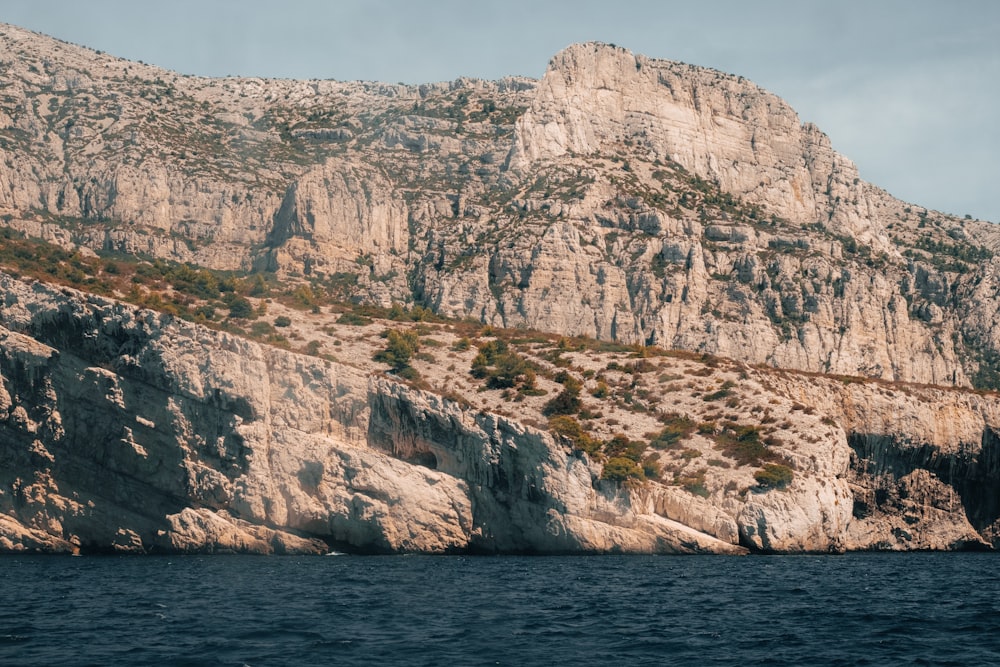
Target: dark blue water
[870, 609]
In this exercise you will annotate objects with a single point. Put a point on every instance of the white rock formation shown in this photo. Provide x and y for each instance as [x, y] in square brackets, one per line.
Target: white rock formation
[619, 197]
[124, 430]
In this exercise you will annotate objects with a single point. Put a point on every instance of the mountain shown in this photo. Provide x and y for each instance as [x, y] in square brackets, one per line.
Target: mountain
[738, 344]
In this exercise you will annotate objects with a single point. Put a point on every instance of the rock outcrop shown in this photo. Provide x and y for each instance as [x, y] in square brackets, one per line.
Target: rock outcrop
[125, 430]
[595, 98]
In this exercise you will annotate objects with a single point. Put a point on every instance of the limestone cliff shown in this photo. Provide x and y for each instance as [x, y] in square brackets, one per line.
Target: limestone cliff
[123, 430]
[620, 198]
[594, 99]
[126, 430]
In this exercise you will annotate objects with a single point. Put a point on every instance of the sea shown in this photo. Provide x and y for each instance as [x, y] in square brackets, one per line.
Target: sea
[855, 609]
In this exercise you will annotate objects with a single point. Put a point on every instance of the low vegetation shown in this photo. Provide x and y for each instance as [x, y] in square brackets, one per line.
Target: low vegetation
[774, 476]
[676, 428]
[401, 346]
[503, 368]
[567, 401]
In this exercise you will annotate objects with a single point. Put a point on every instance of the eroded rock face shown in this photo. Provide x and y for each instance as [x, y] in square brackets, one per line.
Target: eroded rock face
[337, 215]
[123, 430]
[528, 493]
[619, 197]
[922, 470]
[183, 439]
[605, 247]
[720, 126]
[190, 440]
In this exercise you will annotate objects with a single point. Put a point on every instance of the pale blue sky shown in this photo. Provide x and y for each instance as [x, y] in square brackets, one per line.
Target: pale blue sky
[908, 89]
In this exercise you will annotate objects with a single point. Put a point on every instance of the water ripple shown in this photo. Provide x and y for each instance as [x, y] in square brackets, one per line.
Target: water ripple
[866, 609]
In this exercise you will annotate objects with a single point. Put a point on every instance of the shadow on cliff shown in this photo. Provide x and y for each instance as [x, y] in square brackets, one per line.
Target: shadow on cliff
[122, 446]
[880, 462]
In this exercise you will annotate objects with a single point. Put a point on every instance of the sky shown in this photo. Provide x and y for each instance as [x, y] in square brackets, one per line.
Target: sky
[907, 89]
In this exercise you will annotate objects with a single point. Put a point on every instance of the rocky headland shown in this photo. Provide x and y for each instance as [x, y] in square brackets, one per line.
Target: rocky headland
[636, 306]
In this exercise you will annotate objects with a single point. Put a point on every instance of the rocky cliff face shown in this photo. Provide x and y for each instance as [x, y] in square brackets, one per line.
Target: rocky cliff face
[619, 198]
[129, 431]
[595, 99]
[124, 430]
[797, 263]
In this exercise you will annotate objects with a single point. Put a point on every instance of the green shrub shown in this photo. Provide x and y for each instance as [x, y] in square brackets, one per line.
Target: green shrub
[282, 321]
[205, 311]
[724, 391]
[602, 390]
[487, 356]
[567, 401]
[651, 467]
[257, 286]
[572, 430]
[510, 369]
[421, 314]
[774, 476]
[261, 329]
[676, 428]
[240, 308]
[408, 373]
[693, 483]
[353, 319]
[743, 443]
[304, 297]
[620, 469]
[621, 446]
[987, 376]
[503, 368]
[400, 348]
[415, 314]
